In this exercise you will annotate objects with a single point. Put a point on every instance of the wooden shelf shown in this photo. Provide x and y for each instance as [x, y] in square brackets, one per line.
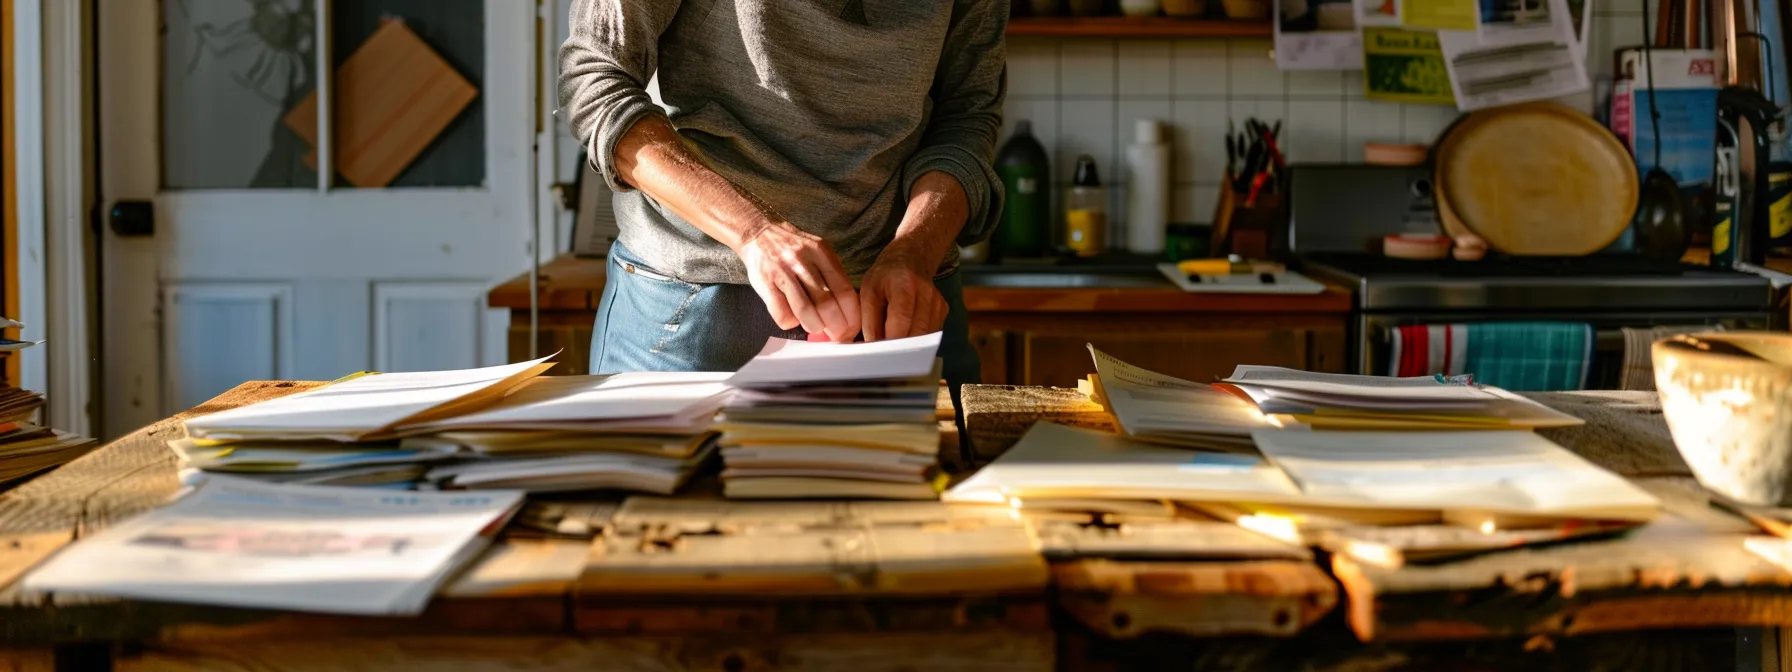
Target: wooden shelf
[1123, 27]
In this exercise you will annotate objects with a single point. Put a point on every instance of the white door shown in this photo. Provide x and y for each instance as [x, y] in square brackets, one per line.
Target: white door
[258, 268]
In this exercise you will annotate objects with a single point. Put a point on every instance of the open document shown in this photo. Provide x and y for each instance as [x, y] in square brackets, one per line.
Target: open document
[569, 402]
[1530, 52]
[367, 406]
[1154, 407]
[308, 548]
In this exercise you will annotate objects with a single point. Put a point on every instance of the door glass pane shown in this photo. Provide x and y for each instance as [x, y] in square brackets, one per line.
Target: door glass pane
[407, 92]
[231, 69]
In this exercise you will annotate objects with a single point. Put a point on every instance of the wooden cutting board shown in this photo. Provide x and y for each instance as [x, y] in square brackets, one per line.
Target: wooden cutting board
[1536, 179]
[394, 95]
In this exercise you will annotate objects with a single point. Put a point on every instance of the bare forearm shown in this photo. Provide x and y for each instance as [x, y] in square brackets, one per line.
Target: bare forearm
[937, 210]
[653, 158]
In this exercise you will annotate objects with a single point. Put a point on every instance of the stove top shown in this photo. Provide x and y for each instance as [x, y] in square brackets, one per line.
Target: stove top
[1598, 283]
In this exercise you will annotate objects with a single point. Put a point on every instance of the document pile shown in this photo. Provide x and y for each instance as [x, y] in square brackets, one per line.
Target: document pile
[645, 432]
[238, 543]
[1344, 402]
[347, 432]
[27, 448]
[833, 420]
[1150, 406]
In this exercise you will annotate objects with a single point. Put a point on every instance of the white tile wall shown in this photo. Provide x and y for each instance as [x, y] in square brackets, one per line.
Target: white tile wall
[1084, 96]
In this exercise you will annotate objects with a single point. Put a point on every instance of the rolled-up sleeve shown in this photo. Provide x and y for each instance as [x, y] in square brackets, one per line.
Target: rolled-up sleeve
[968, 89]
[611, 52]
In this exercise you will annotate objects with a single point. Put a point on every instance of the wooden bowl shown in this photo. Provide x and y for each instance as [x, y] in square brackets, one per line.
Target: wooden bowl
[1727, 397]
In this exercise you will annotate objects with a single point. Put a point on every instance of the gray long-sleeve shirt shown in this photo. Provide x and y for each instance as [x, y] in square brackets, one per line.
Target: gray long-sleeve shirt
[827, 110]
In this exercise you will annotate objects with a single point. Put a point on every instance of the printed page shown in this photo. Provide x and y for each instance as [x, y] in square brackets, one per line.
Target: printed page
[364, 404]
[1518, 57]
[789, 362]
[235, 542]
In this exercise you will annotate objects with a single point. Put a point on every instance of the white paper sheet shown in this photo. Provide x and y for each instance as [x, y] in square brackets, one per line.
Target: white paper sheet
[789, 362]
[240, 543]
[1508, 472]
[646, 394]
[1318, 35]
[1514, 61]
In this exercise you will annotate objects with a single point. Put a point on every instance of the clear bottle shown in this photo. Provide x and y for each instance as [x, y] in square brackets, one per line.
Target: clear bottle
[1086, 211]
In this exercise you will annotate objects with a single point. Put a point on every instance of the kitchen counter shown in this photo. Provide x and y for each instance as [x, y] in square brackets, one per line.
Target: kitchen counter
[576, 283]
[1031, 325]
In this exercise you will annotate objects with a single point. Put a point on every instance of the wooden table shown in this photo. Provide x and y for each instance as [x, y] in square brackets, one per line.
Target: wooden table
[1679, 587]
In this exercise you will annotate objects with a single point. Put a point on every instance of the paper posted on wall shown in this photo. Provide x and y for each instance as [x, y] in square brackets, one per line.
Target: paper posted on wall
[1319, 35]
[239, 543]
[1524, 51]
[1405, 66]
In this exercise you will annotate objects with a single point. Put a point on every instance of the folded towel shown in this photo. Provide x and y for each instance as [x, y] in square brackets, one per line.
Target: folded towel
[1518, 356]
[1639, 369]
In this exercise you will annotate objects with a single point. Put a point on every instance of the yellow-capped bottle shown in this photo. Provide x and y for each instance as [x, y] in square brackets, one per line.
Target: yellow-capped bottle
[1086, 211]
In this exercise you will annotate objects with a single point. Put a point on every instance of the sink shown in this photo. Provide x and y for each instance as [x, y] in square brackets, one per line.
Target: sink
[1065, 278]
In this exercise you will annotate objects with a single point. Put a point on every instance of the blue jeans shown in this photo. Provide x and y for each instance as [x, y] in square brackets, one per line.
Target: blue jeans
[649, 321]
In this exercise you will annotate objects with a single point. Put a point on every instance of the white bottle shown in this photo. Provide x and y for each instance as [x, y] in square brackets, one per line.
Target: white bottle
[1147, 189]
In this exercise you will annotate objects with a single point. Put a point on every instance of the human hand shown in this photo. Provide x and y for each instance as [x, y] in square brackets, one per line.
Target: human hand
[897, 298]
[801, 281]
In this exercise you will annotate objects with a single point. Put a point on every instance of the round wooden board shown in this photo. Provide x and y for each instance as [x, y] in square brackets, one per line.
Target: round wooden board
[1537, 179]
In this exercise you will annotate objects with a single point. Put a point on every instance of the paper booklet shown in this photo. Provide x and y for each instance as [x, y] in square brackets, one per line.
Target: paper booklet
[368, 406]
[586, 399]
[1154, 407]
[1500, 475]
[784, 362]
[237, 543]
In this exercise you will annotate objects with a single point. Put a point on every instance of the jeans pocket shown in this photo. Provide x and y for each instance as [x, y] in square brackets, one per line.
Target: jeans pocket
[628, 264]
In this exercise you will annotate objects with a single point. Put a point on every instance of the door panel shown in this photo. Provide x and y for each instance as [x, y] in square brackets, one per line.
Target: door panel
[258, 267]
[224, 334]
[428, 326]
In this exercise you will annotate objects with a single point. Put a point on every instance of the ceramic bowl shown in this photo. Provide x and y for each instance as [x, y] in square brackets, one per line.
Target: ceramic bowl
[1727, 397]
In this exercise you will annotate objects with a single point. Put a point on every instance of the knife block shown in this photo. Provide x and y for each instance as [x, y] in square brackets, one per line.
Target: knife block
[1242, 227]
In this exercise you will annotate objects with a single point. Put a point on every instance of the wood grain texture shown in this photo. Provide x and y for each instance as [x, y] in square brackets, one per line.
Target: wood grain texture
[625, 615]
[1688, 569]
[27, 660]
[997, 415]
[667, 546]
[944, 651]
[1204, 599]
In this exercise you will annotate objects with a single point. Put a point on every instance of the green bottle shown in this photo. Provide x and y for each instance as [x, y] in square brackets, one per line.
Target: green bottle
[1025, 228]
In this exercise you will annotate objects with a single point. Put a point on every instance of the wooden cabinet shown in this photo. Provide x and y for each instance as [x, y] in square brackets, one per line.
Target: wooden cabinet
[1033, 351]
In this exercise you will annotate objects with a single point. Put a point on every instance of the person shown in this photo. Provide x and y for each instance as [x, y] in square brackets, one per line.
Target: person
[814, 171]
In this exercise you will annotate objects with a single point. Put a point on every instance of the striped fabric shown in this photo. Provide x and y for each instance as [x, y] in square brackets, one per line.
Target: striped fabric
[1518, 356]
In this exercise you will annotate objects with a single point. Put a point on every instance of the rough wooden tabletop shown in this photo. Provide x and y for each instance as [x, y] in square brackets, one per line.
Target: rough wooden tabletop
[1688, 570]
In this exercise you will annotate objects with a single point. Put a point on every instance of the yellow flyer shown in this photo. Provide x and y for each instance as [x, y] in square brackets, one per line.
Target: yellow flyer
[1405, 66]
[1441, 14]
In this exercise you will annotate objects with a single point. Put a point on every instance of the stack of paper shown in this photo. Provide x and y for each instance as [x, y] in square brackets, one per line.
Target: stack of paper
[367, 407]
[643, 431]
[241, 543]
[1162, 409]
[380, 464]
[1495, 476]
[27, 449]
[1339, 401]
[831, 420]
